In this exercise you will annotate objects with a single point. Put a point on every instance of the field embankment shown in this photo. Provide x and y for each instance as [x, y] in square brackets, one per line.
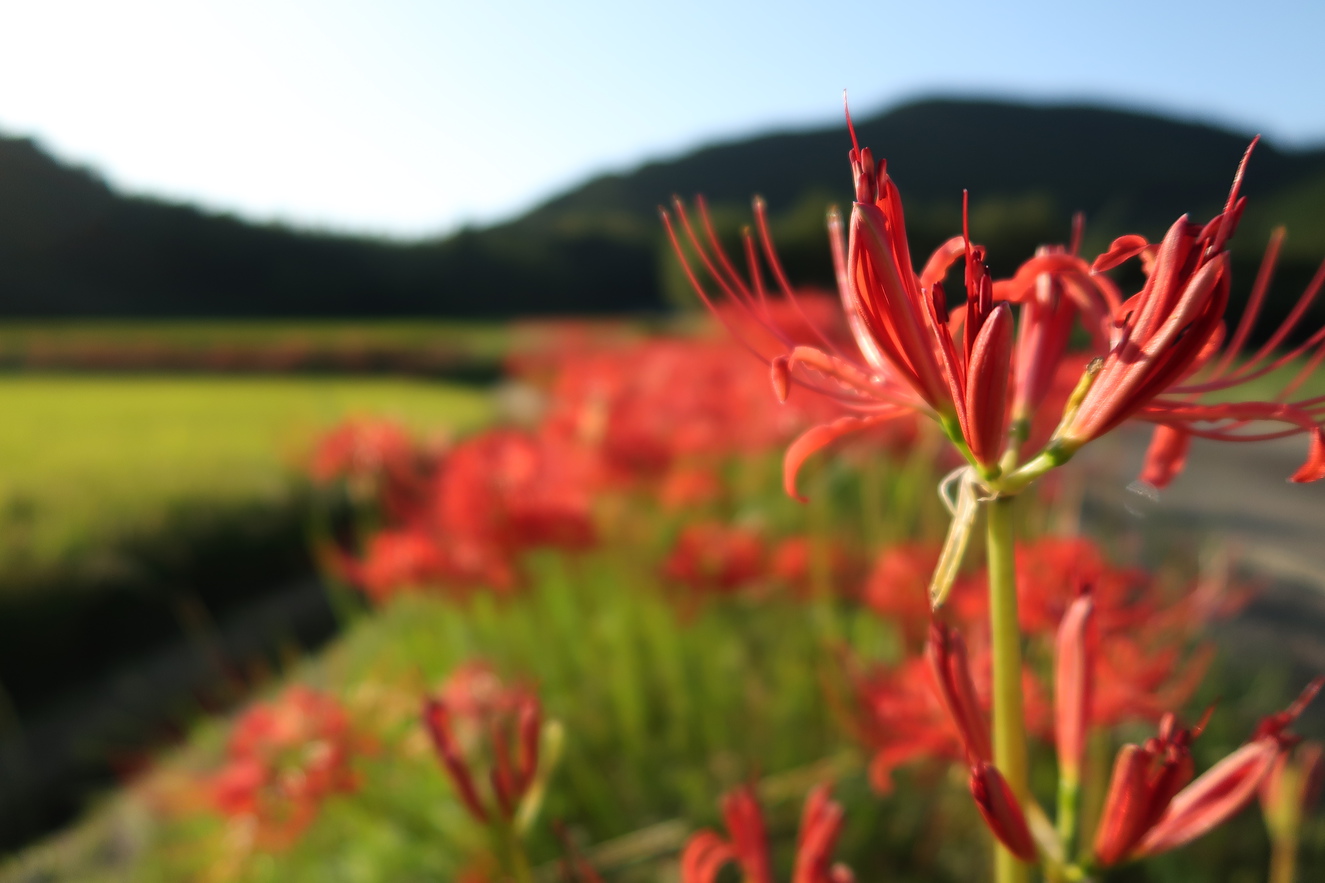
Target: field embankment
[142, 516]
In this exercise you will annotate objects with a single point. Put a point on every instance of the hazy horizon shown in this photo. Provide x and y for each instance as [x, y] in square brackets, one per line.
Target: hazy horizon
[411, 119]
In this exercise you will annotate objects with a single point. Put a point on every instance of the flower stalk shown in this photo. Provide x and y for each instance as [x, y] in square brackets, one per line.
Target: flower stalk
[1009, 726]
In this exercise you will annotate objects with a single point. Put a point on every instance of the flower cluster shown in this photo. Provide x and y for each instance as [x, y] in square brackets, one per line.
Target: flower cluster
[984, 377]
[283, 759]
[707, 852]
[487, 736]
[1140, 638]
[664, 415]
[484, 501]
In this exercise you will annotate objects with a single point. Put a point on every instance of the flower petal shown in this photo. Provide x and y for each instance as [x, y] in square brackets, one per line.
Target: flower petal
[1122, 249]
[1166, 456]
[819, 437]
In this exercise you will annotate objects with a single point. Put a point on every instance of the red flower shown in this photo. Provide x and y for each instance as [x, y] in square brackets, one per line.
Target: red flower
[685, 487]
[1148, 810]
[1172, 329]
[514, 490]
[900, 717]
[952, 673]
[646, 407]
[963, 368]
[911, 353]
[378, 460]
[395, 559]
[715, 558]
[494, 496]
[821, 822]
[1074, 686]
[999, 808]
[284, 758]
[898, 588]
[476, 715]
[931, 707]
[796, 561]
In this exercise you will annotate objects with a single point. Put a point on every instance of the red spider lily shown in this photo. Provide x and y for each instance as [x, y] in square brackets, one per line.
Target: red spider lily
[1172, 330]
[494, 496]
[515, 490]
[1151, 808]
[1135, 641]
[707, 853]
[903, 715]
[645, 407]
[1138, 676]
[808, 565]
[478, 724]
[685, 487]
[363, 448]
[1145, 780]
[395, 559]
[993, 796]
[899, 716]
[715, 558]
[952, 673]
[897, 588]
[284, 758]
[911, 355]
[1054, 571]
[999, 808]
[1074, 681]
[378, 460]
[964, 369]
[1143, 655]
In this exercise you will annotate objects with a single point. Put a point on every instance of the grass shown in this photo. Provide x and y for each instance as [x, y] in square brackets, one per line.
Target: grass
[665, 705]
[84, 460]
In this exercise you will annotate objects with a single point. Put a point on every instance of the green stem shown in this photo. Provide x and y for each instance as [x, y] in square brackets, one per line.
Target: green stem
[1069, 790]
[1009, 719]
[1283, 858]
[513, 855]
[1095, 782]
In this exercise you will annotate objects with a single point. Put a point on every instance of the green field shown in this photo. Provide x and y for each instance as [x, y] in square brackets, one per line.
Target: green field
[84, 460]
[477, 338]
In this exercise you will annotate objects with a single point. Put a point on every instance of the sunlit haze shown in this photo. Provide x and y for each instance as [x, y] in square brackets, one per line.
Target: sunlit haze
[413, 118]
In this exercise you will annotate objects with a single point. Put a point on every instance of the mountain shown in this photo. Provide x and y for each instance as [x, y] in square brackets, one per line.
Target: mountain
[71, 246]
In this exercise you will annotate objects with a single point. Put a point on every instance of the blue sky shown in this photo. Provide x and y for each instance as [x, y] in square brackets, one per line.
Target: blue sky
[411, 118]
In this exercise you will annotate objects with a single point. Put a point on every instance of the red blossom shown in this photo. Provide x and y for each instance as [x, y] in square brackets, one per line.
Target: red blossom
[1074, 685]
[646, 407]
[999, 808]
[1128, 658]
[486, 736]
[952, 673]
[1157, 352]
[494, 496]
[284, 758]
[1151, 808]
[902, 713]
[706, 853]
[801, 562]
[710, 557]
[898, 588]
[1165, 350]
[686, 487]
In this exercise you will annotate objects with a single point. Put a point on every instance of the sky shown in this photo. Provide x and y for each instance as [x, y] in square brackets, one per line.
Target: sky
[411, 119]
